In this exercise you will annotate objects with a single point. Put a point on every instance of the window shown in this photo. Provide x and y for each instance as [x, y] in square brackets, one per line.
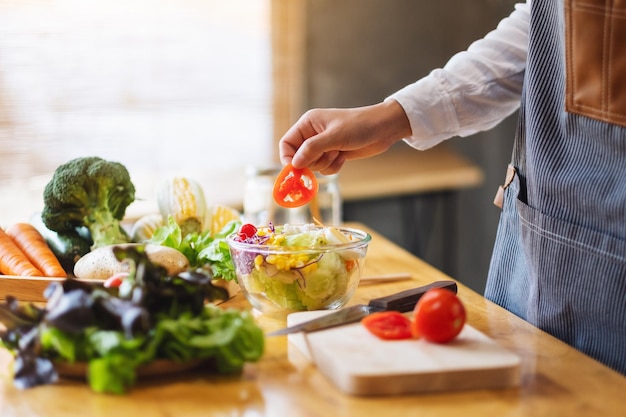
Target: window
[167, 87]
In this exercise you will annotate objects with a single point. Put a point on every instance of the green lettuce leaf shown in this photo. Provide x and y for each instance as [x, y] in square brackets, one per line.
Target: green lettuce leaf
[203, 250]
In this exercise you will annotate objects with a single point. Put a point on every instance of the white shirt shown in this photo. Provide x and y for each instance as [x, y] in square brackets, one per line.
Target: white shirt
[475, 90]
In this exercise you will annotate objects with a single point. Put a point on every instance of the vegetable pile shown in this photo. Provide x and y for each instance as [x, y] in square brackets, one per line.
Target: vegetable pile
[117, 330]
[84, 205]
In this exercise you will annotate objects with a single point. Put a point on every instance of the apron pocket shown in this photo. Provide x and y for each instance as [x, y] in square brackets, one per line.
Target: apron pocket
[577, 284]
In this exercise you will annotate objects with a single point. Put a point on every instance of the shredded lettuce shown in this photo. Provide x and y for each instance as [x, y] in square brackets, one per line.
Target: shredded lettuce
[306, 239]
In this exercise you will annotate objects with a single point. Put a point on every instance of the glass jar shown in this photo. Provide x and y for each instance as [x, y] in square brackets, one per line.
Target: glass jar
[260, 208]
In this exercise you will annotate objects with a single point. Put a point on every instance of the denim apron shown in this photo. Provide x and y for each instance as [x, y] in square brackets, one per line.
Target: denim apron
[559, 259]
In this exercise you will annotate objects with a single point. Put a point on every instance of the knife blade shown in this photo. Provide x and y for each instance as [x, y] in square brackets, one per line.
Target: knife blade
[403, 301]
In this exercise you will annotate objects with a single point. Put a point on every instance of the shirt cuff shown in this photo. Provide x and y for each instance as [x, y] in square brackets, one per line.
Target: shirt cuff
[432, 113]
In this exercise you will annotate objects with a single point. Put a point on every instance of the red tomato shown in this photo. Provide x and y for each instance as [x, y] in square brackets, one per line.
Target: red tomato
[114, 281]
[294, 187]
[439, 316]
[388, 325]
[247, 230]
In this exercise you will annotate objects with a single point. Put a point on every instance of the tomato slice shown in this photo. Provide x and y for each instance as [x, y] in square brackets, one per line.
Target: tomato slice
[439, 316]
[388, 325]
[294, 187]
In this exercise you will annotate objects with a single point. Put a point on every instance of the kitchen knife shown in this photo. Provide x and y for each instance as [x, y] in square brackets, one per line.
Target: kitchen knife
[403, 301]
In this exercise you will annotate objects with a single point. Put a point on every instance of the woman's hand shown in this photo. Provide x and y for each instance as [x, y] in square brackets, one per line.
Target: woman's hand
[323, 139]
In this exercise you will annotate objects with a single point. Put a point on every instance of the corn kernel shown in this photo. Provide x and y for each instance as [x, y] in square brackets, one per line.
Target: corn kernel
[309, 268]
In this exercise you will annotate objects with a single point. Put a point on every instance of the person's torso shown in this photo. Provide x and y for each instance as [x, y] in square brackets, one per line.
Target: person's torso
[560, 254]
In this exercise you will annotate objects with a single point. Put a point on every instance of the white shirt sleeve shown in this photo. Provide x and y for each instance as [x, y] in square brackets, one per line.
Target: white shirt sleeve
[474, 91]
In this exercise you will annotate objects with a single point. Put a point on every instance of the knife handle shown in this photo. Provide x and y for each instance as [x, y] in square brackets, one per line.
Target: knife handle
[405, 301]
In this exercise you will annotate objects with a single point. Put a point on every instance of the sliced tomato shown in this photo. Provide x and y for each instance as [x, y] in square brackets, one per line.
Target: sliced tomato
[294, 187]
[388, 325]
[439, 316]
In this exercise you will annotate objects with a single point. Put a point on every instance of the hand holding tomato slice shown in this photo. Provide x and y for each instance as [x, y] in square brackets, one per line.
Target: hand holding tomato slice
[294, 187]
[439, 316]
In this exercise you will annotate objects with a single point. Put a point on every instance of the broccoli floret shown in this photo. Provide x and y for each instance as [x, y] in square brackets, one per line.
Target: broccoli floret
[90, 192]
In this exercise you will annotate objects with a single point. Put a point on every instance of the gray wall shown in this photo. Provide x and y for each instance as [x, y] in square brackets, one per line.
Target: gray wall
[360, 51]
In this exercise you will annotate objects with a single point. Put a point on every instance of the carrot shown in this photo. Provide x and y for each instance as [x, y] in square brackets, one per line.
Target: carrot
[12, 260]
[34, 246]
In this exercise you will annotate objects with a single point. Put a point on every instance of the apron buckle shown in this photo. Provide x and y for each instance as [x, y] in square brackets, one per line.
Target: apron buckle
[499, 198]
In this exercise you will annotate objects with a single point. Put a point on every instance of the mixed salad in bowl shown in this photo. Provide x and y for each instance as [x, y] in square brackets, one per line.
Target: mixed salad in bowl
[288, 268]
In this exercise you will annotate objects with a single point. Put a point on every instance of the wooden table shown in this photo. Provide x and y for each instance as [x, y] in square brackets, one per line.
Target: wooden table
[556, 379]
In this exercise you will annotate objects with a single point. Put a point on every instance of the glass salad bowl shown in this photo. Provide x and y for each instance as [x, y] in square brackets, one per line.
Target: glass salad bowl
[292, 268]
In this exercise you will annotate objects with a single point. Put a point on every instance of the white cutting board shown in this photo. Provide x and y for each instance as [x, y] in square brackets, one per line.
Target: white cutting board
[359, 363]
